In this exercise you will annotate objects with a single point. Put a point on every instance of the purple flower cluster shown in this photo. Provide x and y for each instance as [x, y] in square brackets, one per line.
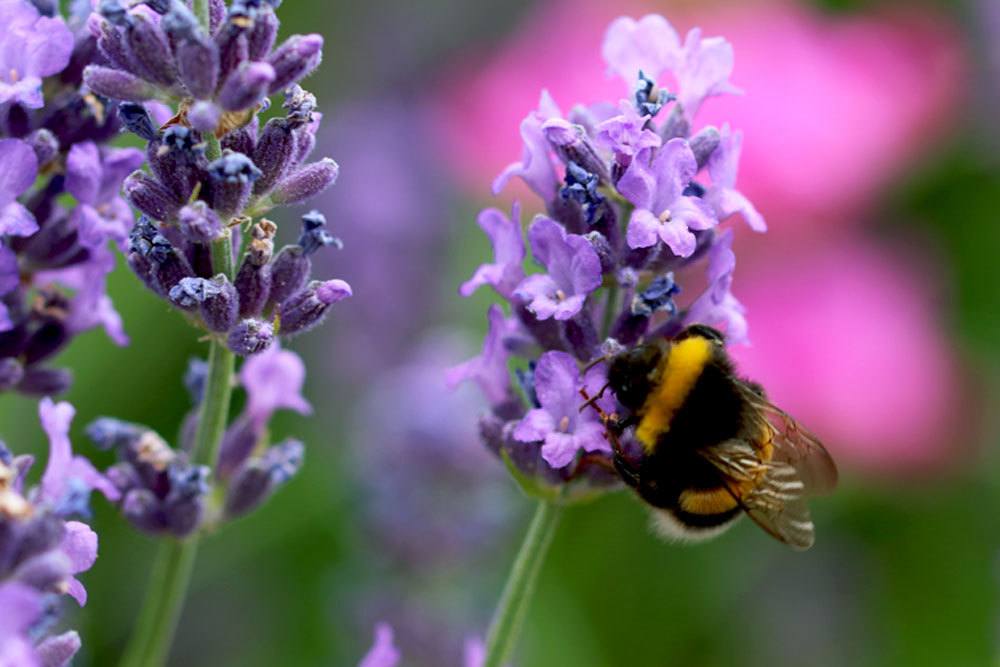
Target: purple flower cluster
[41, 548]
[384, 653]
[633, 195]
[160, 490]
[213, 171]
[54, 256]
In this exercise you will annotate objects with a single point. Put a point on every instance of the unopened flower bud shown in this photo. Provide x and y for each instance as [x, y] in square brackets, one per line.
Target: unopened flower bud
[204, 116]
[246, 86]
[58, 649]
[45, 381]
[253, 279]
[142, 509]
[45, 145]
[117, 85]
[185, 502]
[197, 56]
[573, 145]
[261, 477]
[295, 59]
[216, 298]
[704, 144]
[306, 309]
[149, 47]
[232, 176]
[290, 271]
[150, 196]
[265, 30]
[603, 249]
[137, 120]
[11, 373]
[273, 153]
[250, 337]
[198, 223]
[306, 182]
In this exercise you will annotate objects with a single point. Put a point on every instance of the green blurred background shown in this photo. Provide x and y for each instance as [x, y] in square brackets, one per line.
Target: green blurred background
[905, 571]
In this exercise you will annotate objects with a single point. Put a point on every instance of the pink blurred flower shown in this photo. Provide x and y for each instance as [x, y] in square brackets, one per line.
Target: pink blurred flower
[838, 105]
[846, 340]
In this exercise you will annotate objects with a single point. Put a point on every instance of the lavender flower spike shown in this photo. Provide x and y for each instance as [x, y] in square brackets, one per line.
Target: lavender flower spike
[559, 422]
[506, 271]
[663, 210]
[574, 271]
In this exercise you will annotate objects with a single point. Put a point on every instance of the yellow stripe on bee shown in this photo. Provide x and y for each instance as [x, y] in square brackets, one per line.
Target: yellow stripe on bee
[707, 501]
[679, 372]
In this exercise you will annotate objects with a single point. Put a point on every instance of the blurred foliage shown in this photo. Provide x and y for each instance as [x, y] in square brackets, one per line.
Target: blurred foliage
[903, 573]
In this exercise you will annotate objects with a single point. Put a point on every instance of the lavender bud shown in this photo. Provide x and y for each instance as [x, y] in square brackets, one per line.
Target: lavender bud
[195, 378]
[273, 153]
[231, 42]
[111, 44]
[11, 373]
[306, 309]
[573, 145]
[295, 59]
[117, 85]
[676, 125]
[305, 142]
[149, 47]
[150, 196]
[262, 36]
[143, 269]
[46, 340]
[314, 235]
[141, 508]
[198, 223]
[204, 117]
[114, 12]
[290, 270]
[45, 381]
[232, 177]
[136, 119]
[217, 298]
[45, 145]
[306, 183]
[253, 279]
[58, 650]
[177, 161]
[261, 477]
[658, 296]
[242, 139]
[603, 249]
[185, 502]
[250, 337]
[582, 336]
[238, 443]
[704, 144]
[246, 86]
[110, 433]
[197, 56]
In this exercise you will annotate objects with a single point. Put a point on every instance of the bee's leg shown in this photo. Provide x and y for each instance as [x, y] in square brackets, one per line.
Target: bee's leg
[625, 470]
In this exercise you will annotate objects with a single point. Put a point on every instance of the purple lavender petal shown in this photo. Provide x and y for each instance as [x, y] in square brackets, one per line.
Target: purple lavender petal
[650, 45]
[489, 369]
[83, 172]
[506, 271]
[31, 47]
[535, 167]
[723, 166]
[57, 651]
[80, 546]
[703, 71]
[382, 653]
[273, 380]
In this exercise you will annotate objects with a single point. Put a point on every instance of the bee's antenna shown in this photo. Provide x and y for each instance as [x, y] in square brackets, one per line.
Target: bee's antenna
[596, 361]
[608, 420]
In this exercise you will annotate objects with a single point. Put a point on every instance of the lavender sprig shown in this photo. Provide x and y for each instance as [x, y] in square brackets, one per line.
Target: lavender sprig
[43, 548]
[54, 256]
[633, 197]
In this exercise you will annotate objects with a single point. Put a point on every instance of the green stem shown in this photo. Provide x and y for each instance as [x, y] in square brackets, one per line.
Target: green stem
[610, 310]
[520, 586]
[150, 643]
[201, 12]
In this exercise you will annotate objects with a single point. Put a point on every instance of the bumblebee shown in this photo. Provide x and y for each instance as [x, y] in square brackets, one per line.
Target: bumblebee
[712, 446]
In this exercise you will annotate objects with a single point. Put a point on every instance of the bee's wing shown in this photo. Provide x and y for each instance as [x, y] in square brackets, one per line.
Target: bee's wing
[770, 492]
[795, 446]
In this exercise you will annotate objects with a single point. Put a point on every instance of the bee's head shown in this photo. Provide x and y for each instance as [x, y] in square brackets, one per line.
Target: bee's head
[630, 374]
[702, 331]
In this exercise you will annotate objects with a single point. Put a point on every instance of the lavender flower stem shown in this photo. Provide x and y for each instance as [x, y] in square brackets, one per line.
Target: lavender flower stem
[520, 587]
[150, 644]
[201, 11]
[610, 311]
